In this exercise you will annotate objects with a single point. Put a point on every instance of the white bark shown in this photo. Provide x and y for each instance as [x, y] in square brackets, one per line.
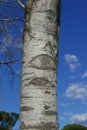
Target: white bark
[38, 92]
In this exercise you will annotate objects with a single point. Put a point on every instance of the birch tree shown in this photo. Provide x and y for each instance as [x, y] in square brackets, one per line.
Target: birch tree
[38, 93]
[38, 107]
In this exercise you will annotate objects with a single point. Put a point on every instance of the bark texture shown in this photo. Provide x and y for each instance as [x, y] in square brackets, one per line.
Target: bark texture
[38, 93]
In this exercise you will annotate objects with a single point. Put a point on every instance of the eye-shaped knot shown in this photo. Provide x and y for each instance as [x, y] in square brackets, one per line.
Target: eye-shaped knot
[41, 81]
[44, 62]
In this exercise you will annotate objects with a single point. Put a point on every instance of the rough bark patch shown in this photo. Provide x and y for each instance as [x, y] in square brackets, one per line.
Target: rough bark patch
[51, 15]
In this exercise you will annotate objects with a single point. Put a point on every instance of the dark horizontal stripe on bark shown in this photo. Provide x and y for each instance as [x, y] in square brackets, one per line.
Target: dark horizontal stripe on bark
[50, 113]
[41, 126]
[26, 108]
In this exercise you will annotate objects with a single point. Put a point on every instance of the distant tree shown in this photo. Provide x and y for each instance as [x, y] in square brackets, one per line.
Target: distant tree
[7, 120]
[74, 127]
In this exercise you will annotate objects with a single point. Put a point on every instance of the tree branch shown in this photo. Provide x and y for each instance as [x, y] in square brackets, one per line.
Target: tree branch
[9, 62]
[21, 4]
[8, 19]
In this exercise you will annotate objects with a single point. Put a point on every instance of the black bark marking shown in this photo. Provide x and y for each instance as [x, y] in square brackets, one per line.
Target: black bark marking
[23, 62]
[26, 79]
[26, 84]
[46, 107]
[26, 97]
[26, 108]
[49, 45]
[50, 113]
[43, 62]
[56, 34]
[29, 5]
[23, 74]
[47, 92]
[52, 49]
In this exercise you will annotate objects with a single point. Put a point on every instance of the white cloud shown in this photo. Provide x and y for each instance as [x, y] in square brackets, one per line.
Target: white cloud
[76, 91]
[84, 75]
[70, 58]
[74, 66]
[72, 61]
[79, 118]
[68, 114]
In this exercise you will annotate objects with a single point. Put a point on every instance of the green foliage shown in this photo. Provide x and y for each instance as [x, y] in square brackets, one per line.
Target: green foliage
[74, 127]
[7, 120]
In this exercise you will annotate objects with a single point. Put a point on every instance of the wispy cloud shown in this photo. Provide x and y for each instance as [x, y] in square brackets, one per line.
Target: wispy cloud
[66, 104]
[72, 77]
[79, 118]
[84, 75]
[62, 118]
[69, 114]
[72, 61]
[17, 72]
[70, 58]
[84, 103]
[76, 91]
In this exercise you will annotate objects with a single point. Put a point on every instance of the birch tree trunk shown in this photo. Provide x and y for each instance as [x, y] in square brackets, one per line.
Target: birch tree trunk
[38, 93]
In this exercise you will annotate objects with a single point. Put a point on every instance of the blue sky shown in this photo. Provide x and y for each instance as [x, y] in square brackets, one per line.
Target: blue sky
[72, 68]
